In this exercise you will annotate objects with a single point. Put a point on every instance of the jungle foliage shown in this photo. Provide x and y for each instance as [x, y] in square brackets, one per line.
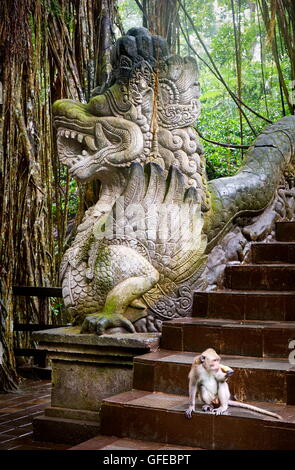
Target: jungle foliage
[243, 47]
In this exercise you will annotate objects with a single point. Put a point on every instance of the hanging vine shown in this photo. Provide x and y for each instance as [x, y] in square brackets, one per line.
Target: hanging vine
[50, 49]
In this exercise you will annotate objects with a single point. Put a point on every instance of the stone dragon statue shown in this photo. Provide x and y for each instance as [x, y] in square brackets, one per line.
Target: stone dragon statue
[143, 248]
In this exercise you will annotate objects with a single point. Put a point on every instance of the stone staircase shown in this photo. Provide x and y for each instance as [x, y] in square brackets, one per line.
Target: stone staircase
[250, 323]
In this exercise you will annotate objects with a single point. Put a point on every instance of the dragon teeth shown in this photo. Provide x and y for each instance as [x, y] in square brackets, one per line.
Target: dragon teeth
[90, 142]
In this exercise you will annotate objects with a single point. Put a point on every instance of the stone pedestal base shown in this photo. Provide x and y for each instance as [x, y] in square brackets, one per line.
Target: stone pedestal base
[86, 368]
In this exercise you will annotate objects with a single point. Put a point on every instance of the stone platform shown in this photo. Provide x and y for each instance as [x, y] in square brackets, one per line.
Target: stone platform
[86, 368]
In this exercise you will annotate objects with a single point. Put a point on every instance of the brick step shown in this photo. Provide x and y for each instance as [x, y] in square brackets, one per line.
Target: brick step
[67, 431]
[249, 338]
[276, 252]
[285, 231]
[279, 277]
[267, 380]
[102, 442]
[245, 305]
[159, 417]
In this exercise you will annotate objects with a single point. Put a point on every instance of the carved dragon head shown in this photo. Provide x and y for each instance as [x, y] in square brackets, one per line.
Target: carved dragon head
[143, 114]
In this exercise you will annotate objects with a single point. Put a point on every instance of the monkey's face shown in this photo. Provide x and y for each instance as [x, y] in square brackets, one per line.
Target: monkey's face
[210, 360]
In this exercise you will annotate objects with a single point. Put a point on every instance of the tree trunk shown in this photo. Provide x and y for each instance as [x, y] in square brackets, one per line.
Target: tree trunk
[105, 38]
[50, 50]
[161, 18]
[286, 15]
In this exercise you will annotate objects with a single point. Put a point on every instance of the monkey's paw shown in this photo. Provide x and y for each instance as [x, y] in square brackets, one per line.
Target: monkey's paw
[189, 412]
[207, 408]
[99, 322]
[219, 411]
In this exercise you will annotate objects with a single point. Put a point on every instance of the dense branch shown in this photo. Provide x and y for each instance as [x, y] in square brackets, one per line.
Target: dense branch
[270, 27]
[214, 70]
[139, 5]
[218, 75]
[232, 146]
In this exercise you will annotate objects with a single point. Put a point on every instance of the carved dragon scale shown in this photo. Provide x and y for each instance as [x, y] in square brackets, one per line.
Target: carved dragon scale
[137, 138]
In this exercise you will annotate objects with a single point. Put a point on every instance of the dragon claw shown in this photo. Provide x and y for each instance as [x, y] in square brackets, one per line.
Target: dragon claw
[98, 323]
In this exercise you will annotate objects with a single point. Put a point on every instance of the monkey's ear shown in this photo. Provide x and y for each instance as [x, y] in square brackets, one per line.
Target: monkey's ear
[202, 359]
[197, 360]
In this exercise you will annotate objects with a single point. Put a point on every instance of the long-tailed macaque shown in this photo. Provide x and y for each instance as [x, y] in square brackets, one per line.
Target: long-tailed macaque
[208, 379]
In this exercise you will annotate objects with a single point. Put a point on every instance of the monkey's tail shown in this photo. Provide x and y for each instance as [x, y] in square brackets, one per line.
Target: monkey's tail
[239, 404]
